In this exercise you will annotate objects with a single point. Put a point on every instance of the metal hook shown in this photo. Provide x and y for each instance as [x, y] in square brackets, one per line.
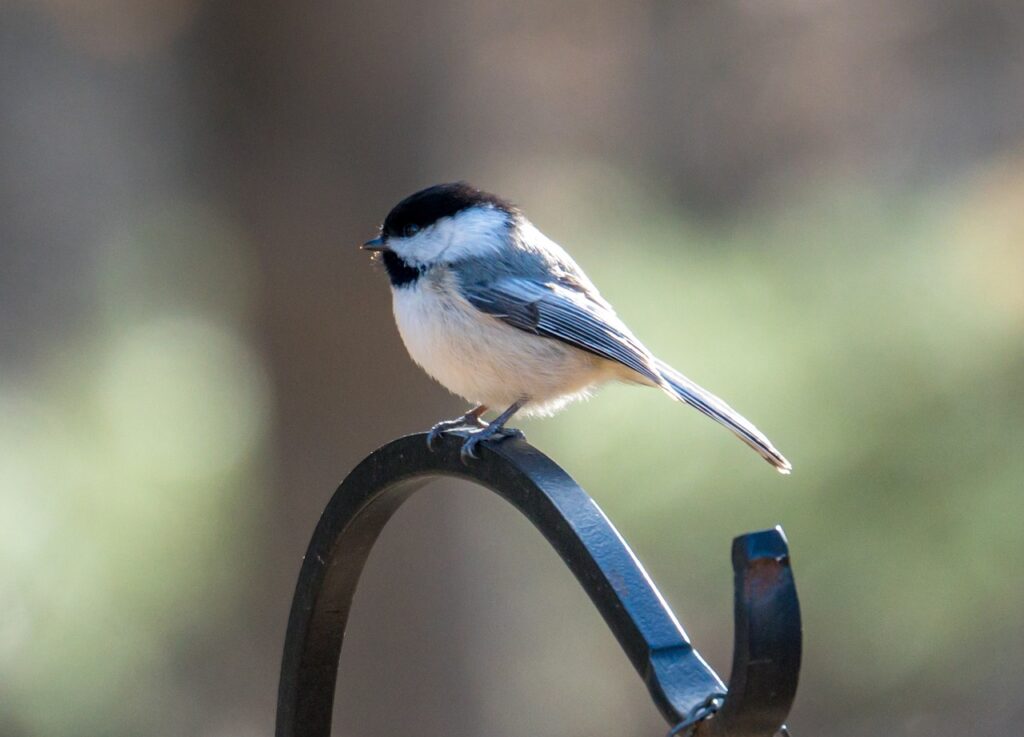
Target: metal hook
[700, 712]
[766, 657]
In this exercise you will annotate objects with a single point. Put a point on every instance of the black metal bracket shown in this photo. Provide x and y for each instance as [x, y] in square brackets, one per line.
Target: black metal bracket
[766, 657]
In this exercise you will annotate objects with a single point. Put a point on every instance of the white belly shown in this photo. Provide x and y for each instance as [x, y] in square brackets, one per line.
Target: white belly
[486, 361]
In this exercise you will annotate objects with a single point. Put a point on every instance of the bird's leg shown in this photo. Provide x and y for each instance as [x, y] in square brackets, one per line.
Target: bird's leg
[495, 430]
[470, 419]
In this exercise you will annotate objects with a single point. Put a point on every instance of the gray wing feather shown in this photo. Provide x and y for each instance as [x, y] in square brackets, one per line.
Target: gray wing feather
[559, 311]
[540, 289]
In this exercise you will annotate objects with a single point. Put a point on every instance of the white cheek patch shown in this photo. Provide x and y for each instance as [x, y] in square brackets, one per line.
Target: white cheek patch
[420, 249]
[472, 232]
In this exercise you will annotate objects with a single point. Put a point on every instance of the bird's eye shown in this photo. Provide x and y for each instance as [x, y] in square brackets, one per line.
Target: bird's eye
[410, 230]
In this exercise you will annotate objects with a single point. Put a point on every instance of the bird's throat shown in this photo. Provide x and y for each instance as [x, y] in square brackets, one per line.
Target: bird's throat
[399, 271]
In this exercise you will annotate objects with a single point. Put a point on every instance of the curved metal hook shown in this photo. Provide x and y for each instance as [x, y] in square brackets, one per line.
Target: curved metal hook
[767, 654]
[767, 641]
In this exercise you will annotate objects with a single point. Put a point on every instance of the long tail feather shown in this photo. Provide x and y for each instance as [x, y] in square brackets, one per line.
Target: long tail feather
[682, 389]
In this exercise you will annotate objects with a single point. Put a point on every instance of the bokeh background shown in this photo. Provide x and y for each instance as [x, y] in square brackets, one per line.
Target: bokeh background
[816, 209]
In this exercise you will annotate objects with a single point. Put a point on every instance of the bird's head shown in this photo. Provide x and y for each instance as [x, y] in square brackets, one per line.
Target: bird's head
[442, 223]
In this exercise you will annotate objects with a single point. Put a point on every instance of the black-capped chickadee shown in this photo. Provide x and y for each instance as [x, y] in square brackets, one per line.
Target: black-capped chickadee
[499, 314]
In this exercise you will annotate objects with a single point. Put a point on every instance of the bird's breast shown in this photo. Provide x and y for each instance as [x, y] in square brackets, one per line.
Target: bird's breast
[481, 358]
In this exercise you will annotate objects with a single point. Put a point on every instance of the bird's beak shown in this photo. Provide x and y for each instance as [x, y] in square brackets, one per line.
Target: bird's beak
[375, 244]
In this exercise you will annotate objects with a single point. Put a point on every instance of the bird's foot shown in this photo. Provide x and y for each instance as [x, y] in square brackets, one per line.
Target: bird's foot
[493, 431]
[469, 420]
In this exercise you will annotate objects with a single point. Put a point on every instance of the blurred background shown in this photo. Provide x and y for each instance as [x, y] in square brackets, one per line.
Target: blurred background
[815, 209]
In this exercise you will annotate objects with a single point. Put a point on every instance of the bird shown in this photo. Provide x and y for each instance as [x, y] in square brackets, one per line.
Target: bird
[501, 315]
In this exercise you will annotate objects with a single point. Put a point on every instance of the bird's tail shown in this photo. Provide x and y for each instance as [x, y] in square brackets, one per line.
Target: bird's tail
[682, 389]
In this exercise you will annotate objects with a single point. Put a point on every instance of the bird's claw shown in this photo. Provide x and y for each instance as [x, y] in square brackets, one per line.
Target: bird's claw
[491, 432]
[465, 422]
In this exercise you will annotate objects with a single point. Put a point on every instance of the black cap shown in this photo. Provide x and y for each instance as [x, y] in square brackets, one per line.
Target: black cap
[426, 207]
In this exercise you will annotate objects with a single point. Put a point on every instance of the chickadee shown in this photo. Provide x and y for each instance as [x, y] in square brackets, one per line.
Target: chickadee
[499, 314]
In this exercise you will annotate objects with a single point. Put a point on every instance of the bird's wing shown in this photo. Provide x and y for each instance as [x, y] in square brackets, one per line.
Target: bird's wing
[562, 311]
[568, 312]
